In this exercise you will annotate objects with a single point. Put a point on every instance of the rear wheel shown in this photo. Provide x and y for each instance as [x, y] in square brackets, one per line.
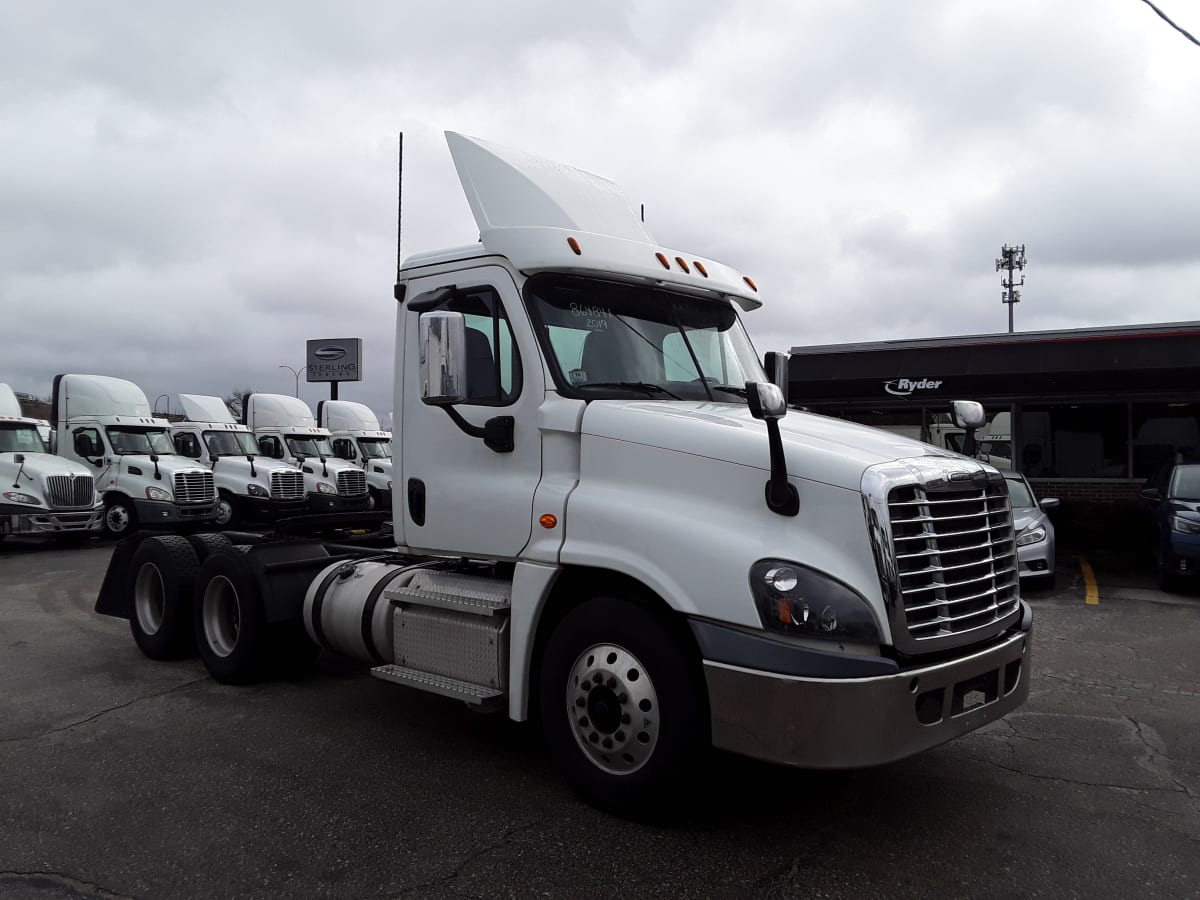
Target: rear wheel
[228, 618]
[623, 705]
[163, 581]
[120, 519]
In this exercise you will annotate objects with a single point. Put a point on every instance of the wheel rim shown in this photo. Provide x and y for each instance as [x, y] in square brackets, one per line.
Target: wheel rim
[224, 512]
[117, 518]
[613, 709]
[221, 614]
[149, 599]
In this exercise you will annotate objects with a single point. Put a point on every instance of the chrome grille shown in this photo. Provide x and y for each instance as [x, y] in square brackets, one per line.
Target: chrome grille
[194, 487]
[955, 558]
[352, 483]
[70, 491]
[287, 485]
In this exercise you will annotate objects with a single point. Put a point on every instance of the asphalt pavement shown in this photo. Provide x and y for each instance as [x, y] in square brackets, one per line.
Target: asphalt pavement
[123, 777]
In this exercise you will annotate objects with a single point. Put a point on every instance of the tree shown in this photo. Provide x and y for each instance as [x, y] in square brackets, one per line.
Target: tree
[234, 400]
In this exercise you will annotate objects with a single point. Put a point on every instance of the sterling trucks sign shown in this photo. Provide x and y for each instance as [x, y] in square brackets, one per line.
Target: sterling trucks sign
[335, 359]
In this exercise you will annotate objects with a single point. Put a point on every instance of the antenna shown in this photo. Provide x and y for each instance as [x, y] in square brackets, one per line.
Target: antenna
[1011, 258]
[399, 197]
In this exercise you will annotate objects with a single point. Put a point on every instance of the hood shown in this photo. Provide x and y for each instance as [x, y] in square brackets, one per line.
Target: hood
[818, 448]
[1178, 504]
[263, 465]
[1025, 516]
[45, 464]
[167, 465]
[385, 464]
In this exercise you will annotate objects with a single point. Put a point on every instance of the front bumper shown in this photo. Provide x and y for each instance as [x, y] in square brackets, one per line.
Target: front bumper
[847, 723]
[1183, 554]
[327, 503]
[153, 513]
[1036, 560]
[267, 509]
[35, 521]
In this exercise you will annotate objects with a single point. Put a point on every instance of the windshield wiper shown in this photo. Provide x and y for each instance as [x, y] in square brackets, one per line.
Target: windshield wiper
[646, 386]
[730, 389]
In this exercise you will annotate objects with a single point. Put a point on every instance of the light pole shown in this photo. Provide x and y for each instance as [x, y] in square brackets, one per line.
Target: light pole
[154, 409]
[296, 374]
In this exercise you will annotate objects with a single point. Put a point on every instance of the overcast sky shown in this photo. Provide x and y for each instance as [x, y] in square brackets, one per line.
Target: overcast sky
[189, 191]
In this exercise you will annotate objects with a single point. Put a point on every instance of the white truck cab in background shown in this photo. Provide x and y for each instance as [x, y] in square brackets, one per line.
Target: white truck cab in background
[606, 516]
[105, 423]
[357, 438]
[250, 487]
[41, 494]
[287, 431]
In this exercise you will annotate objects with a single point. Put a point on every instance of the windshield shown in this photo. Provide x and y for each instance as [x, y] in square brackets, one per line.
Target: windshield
[1185, 483]
[130, 439]
[231, 443]
[1019, 494]
[608, 339]
[375, 448]
[309, 446]
[17, 438]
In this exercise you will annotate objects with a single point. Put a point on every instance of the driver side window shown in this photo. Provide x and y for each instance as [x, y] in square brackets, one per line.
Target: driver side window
[187, 445]
[270, 447]
[88, 443]
[343, 448]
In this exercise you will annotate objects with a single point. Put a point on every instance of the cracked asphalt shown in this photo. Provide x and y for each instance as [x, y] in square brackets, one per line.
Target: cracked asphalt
[122, 777]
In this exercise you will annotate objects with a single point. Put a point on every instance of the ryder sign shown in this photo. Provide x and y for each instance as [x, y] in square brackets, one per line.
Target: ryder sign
[335, 359]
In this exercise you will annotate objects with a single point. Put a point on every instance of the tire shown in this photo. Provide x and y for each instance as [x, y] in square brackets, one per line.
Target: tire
[379, 500]
[161, 587]
[205, 543]
[649, 703]
[1167, 581]
[120, 518]
[226, 516]
[230, 628]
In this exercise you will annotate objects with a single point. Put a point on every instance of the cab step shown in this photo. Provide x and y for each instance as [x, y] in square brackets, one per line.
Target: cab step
[474, 694]
[452, 591]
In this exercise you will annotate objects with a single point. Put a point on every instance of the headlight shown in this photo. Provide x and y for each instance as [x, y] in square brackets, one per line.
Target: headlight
[1178, 523]
[257, 490]
[16, 497]
[157, 493]
[1031, 536]
[796, 600]
[324, 487]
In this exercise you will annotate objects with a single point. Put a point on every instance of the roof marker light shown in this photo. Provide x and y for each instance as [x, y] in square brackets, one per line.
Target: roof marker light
[750, 281]
[683, 264]
[662, 258]
[700, 268]
[574, 245]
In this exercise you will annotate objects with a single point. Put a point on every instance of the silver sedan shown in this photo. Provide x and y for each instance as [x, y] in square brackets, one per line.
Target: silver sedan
[1035, 532]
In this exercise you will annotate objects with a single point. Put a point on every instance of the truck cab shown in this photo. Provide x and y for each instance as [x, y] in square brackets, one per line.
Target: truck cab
[357, 438]
[41, 494]
[105, 424]
[250, 487]
[286, 431]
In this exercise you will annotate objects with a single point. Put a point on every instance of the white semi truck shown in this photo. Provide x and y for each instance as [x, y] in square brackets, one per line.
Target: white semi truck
[357, 438]
[106, 424]
[41, 494]
[250, 487]
[606, 519]
[287, 431]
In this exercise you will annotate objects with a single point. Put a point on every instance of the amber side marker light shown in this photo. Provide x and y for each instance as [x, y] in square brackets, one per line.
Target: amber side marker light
[683, 264]
[662, 258]
[700, 268]
[548, 521]
[574, 245]
[750, 281]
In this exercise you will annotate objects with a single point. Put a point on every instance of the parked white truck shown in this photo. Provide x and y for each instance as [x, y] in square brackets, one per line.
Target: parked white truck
[287, 431]
[250, 487]
[106, 424]
[41, 494]
[357, 438]
[603, 514]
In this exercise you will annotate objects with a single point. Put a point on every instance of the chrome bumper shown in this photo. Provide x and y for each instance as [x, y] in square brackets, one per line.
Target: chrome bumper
[56, 522]
[848, 723]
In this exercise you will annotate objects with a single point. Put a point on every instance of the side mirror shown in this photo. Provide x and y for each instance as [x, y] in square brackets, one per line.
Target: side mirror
[19, 458]
[1151, 494]
[776, 365]
[1049, 503]
[967, 413]
[443, 356]
[766, 400]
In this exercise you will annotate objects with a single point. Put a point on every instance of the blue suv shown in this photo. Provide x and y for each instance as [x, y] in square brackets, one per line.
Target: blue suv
[1173, 499]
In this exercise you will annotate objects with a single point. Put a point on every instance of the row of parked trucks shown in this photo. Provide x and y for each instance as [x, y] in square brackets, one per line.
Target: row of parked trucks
[111, 465]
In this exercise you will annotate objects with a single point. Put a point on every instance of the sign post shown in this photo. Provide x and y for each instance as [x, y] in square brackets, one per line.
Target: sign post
[334, 360]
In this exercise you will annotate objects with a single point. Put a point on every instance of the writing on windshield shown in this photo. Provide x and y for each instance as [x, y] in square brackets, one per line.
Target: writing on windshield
[609, 339]
[20, 439]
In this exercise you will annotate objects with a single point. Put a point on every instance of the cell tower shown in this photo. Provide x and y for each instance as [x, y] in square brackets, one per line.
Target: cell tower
[1011, 259]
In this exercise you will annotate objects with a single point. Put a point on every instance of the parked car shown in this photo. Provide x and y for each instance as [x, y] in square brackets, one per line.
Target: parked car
[1173, 500]
[1035, 532]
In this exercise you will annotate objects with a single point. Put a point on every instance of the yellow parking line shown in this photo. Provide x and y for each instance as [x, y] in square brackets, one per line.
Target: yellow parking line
[1089, 579]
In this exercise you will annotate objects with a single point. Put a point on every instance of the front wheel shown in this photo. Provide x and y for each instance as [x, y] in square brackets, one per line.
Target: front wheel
[226, 516]
[120, 519]
[623, 705]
